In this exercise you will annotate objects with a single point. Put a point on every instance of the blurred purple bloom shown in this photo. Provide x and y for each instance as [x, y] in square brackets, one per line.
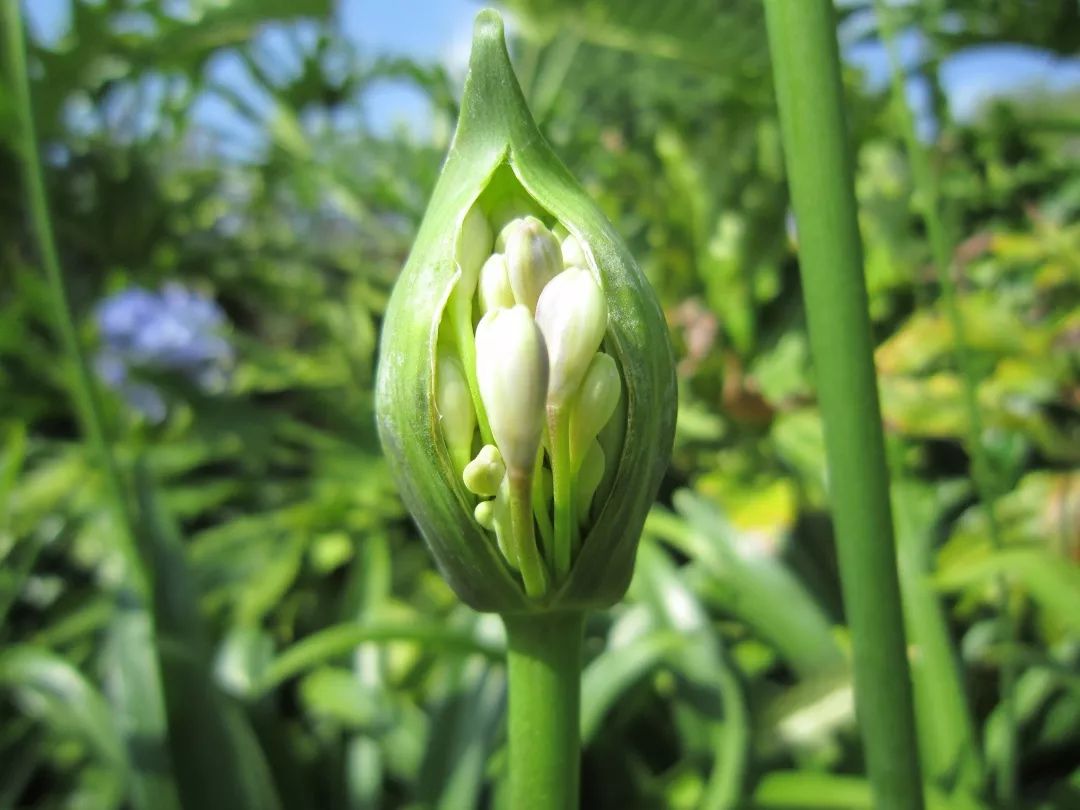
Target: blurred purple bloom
[176, 330]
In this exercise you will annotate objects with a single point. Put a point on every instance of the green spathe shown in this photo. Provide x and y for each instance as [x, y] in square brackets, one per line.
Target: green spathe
[499, 158]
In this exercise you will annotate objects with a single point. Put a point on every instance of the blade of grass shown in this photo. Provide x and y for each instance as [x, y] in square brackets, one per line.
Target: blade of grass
[217, 758]
[616, 670]
[930, 207]
[707, 679]
[340, 639]
[806, 66]
[947, 741]
[84, 392]
[761, 591]
[57, 690]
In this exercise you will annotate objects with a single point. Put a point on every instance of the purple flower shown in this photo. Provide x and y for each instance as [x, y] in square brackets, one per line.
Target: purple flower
[176, 330]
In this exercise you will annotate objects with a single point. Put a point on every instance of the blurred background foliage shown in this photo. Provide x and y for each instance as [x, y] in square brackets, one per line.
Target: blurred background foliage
[295, 647]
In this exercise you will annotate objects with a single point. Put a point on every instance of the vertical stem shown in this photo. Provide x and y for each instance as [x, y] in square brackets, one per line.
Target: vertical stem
[544, 669]
[523, 533]
[562, 480]
[83, 388]
[806, 64]
[929, 199]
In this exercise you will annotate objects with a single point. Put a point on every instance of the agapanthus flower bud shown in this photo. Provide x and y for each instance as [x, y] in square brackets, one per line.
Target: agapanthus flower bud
[473, 248]
[512, 372]
[495, 289]
[455, 408]
[484, 474]
[538, 519]
[589, 477]
[573, 255]
[533, 257]
[595, 403]
[572, 314]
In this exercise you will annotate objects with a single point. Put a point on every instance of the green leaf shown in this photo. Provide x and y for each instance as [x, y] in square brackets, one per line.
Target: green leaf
[216, 757]
[49, 687]
[608, 677]
[950, 755]
[699, 33]
[463, 731]
[334, 642]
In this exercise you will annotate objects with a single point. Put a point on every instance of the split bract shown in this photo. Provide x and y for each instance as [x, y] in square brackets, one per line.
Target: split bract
[526, 391]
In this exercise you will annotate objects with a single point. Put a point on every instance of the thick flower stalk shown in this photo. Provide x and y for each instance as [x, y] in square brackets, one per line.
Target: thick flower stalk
[526, 389]
[526, 402]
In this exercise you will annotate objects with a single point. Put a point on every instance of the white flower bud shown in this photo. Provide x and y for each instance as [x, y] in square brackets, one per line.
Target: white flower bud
[596, 400]
[573, 255]
[589, 478]
[484, 473]
[473, 247]
[485, 514]
[512, 373]
[495, 289]
[455, 407]
[533, 258]
[507, 215]
[572, 314]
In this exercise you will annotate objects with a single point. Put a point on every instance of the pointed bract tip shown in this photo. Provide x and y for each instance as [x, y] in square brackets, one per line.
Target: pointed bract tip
[488, 25]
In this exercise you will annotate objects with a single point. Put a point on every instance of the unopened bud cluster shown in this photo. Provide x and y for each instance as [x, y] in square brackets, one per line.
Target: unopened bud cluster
[523, 389]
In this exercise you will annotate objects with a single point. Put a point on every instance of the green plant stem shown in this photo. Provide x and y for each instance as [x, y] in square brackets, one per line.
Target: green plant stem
[806, 65]
[562, 481]
[544, 670]
[524, 534]
[83, 389]
[930, 207]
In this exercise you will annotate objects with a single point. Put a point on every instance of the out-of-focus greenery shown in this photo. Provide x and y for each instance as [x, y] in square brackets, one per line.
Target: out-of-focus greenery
[300, 650]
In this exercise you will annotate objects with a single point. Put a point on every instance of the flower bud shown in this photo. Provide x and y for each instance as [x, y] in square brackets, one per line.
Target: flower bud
[589, 477]
[533, 258]
[572, 314]
[473, 248]
[595, 403]
[484, 473]
[495, 289]
[455, 408]
[485, 514]
[573, 255]
[512, 372]
[552, 538]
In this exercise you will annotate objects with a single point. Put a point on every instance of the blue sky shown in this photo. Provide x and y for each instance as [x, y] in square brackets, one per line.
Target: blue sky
[438, 30]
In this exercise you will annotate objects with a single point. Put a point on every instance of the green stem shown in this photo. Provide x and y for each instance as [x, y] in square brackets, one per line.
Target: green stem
[544, 670]
[930, 207]
[523, 534]
[540, 508]
[82, 386]
[806, 64]
[561, 479]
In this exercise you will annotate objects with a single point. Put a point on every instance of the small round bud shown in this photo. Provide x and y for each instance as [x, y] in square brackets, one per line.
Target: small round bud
[573, 255]
[572, 314]
[485, 514]
[484, 473]
[533, 258]
[512, 374]
[596, 400]
[455, 408]
[495, 289]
